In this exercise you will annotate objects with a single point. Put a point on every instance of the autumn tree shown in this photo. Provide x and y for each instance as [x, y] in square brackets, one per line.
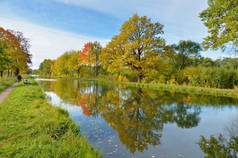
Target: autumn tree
[24, 56]
[138, 45]
[17, 50]
[90, 56]
[85, 56]
[67, 64]
[3, 58]
[60, 67]
[185, 49]
[96, 49]
[221, 19]
[74, 62]
[45, 67]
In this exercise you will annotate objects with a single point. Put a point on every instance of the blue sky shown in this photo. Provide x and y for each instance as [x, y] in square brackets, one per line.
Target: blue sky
[55, 26]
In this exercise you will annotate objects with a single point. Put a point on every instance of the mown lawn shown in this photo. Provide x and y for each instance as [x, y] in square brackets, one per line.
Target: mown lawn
[31, 127]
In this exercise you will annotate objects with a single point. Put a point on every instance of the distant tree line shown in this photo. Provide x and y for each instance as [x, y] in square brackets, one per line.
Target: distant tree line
[140, 54]
[14, 52]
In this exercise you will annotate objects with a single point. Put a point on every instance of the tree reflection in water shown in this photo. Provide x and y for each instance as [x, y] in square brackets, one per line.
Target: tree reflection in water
[139, 118]
[221, 146]
[137, 114]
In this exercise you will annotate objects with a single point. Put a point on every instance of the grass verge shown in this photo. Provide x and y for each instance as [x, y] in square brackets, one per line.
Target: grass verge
[31, 127]
[231, 93]
[6, 82]
[178, 88]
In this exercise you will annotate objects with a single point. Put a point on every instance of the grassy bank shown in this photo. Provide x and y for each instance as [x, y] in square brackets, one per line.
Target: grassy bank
[31, 127]
[232, 93]
[6, 82]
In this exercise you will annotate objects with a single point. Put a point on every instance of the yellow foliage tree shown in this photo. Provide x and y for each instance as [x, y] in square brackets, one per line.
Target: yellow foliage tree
[137, 47]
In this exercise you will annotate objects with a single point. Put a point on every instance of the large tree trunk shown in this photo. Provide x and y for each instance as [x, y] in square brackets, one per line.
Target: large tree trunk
[17, 71]
[96, 71]
[1, 74]
[139, 77]
[78, 72]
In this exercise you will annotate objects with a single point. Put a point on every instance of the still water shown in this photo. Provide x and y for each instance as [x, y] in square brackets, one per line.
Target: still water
[126, 122]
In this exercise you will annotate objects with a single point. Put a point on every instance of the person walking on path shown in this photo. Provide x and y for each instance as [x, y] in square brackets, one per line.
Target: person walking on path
[19, 78]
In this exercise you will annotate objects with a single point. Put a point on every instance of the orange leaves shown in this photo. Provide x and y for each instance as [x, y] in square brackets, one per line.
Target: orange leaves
[17, 50]
[86, 53]
[84, 102]
[9, 39]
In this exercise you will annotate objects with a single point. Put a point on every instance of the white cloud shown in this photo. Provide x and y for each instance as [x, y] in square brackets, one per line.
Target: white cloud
[153, 8]
[180, 17]
[47, 43]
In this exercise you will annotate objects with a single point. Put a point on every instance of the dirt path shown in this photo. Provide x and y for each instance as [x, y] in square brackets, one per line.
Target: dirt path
[6, 92]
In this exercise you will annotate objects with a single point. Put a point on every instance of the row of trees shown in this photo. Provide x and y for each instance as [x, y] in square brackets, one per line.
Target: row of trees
[74, 63]
[139, 50]
[14, 52]
[124, 58]
[139, 53]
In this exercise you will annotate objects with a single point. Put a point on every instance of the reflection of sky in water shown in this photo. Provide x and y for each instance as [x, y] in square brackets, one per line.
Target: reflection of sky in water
[56, 101]
[45, 79]
[96, 129]
[175, 141]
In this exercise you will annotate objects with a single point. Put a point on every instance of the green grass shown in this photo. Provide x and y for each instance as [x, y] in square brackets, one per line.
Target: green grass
[177, 88]
[232, 93]
[31, 127]
[6, 82]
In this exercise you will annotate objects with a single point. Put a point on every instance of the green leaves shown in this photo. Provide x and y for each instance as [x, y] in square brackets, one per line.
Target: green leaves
[221, 19]
[219, 147]
[185, 49]
[45, 67]
[4, 59]
[14, 51]
[66, 64]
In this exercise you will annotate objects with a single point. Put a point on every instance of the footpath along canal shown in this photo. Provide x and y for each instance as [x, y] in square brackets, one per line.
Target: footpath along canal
[6, 92]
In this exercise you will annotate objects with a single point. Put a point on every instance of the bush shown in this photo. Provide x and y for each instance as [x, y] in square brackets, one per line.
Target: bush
[208, 77]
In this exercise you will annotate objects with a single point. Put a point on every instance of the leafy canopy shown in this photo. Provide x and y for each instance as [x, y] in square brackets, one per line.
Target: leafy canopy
[185, 49]
[16, 53]
[221, 19]
[45, 67]
[137, 47]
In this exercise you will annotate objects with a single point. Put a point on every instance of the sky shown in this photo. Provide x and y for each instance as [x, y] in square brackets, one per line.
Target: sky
[56, 26]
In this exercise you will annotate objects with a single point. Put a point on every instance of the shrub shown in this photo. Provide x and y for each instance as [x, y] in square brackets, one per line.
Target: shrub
[208, 77]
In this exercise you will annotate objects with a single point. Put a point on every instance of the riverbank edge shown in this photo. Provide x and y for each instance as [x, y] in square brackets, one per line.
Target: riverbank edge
[31, 127]
[5, 83]
[184, 89]
[231, 93]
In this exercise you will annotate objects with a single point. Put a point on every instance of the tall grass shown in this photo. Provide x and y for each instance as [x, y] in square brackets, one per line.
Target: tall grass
[31, 127]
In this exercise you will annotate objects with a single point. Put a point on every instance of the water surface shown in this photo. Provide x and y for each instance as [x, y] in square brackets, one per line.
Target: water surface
[125, 122]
